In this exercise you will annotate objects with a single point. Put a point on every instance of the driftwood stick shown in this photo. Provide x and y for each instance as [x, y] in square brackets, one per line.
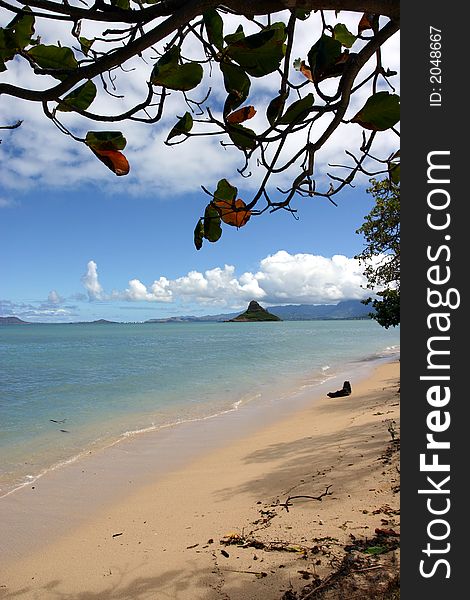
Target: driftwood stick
[288, 503]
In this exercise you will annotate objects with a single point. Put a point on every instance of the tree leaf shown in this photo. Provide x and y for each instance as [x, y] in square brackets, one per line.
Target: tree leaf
[22, 27]
[368, 21]
[237, 84]
[53, 57]
[105, 145]
[16, 36]
[214, 27]
[235, 37]
[302, 15]
[241, 115]
[275, 108]
[212, 228]
[7, 48]
[168, 73]
[261, 53]
[114, 160]
[199, 234]
[242, 137]
[182, 127]
[380, 112]
[343, 35]
[225, 191]
[86, 44]
[105, 140]
[323, 56]
[297, 110]
[233, 212]
[300, 65]
[80, 98]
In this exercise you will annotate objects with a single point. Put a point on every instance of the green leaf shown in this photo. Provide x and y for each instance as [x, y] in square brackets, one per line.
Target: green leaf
[235, 37]
[380, 112]
[80, 98]
[302, 15]
[16, 36]
[22, 26]
[261, 53]
[214, 27]
[343, 35]
[242, 137]
[168, 73]
[225, 191]
[7, 48]
[199, 234]
[53, 57]
[105, 140]
[182, 127]
[212, 228]
[323, 56]
[237, 84]
[297, 110]
[275, 108]
[86, 44]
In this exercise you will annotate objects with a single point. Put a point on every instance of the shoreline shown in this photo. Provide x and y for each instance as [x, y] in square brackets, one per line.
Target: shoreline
[153, 535]
[295, 388]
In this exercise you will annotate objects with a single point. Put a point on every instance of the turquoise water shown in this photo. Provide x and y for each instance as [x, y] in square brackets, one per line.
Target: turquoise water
[68, 389]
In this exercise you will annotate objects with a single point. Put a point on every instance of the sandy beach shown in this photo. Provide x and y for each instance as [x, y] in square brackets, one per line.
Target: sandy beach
[305, 507]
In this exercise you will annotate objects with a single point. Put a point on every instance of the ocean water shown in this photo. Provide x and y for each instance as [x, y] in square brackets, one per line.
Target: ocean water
[66, 390]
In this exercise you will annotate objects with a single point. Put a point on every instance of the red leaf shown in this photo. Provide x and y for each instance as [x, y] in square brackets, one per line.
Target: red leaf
[306, 71]
[114, 160]
[242, 114]
[232, 213]
[366, 22]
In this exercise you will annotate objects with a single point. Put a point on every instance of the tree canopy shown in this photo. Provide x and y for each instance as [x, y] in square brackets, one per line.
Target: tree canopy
[381, 230]
[70, 57]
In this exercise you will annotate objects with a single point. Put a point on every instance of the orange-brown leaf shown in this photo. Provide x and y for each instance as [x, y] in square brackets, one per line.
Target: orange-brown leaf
[114, 160]
[242, 114]
[233, 212]
[306, 71]
[366, 22]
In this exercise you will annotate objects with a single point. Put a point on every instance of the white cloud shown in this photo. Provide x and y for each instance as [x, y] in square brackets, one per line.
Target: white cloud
[310, 279]
[282, 278]
[42, 312]
[91, 283]
[54, 298]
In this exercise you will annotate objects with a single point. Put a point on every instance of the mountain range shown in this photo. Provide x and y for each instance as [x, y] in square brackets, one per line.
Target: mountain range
[348, 309]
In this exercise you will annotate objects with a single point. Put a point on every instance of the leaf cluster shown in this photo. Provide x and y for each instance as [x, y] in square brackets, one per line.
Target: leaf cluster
[314, 92]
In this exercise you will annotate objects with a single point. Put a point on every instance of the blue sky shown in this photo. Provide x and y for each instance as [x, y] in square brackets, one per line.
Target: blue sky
[49, 236]
[78, 243]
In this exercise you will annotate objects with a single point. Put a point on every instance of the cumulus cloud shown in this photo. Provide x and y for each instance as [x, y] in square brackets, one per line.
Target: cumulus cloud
[54, 298]
[91, 283]
[310, 279]
[282, 278]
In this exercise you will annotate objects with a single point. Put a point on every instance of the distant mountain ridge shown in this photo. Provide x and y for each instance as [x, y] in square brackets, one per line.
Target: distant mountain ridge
[347, 309]
[256, 313]
[12, 321]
